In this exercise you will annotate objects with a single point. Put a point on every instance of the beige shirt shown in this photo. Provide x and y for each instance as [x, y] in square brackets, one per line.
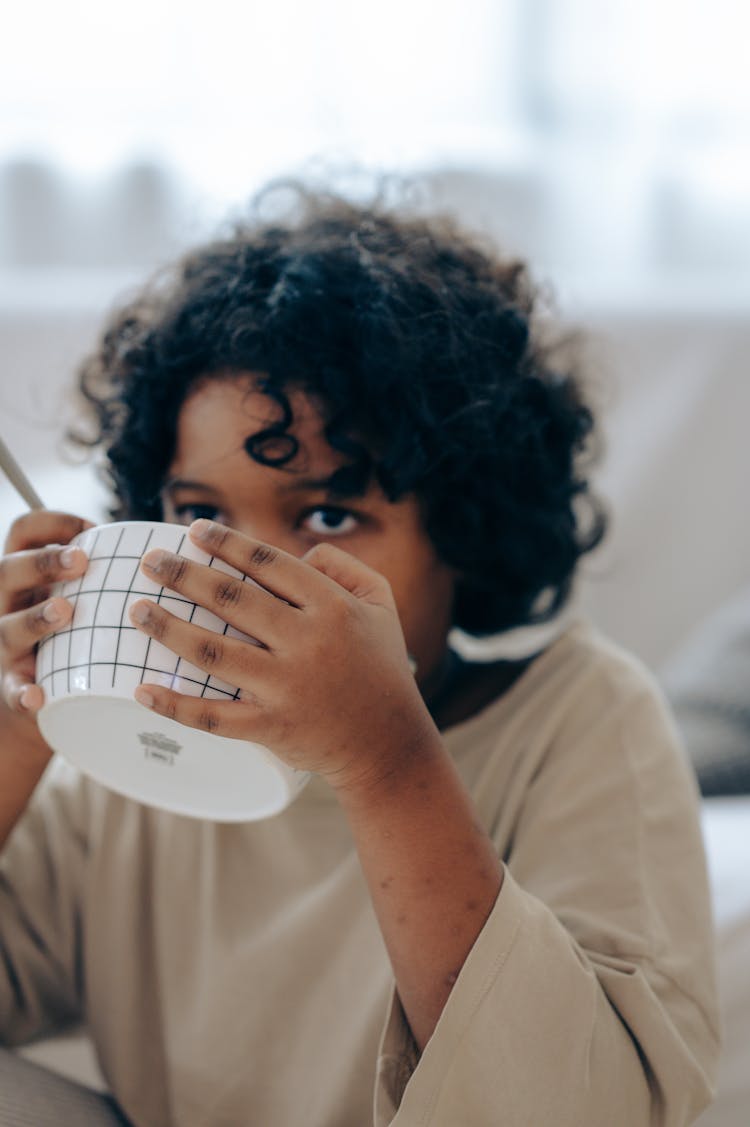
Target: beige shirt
[235, 975]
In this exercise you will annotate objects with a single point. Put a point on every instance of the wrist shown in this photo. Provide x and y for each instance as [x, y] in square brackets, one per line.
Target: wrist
[402, 758]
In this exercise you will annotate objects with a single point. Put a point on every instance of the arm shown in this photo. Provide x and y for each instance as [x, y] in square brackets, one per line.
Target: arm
[330, 690]
[589, 997]
[592, 961]
[35, 989]
[28, 568]
[432, 871]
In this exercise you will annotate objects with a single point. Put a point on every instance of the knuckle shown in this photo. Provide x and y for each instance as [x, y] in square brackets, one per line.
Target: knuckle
[217, 535]
[228, 593]
[156, 622]
[47, 563]
[169, 708]
[174, 570]
[208, 720]
[262, 555]
[35, 621]
[209, 652]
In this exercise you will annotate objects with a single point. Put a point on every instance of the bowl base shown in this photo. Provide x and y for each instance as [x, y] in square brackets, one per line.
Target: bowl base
[162, 763]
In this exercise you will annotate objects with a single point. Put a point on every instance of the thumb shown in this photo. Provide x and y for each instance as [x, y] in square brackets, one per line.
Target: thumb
[350, 573]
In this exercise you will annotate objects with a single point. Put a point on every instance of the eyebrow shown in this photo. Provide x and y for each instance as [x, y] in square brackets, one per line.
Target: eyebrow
[180, 483]
[297, 485]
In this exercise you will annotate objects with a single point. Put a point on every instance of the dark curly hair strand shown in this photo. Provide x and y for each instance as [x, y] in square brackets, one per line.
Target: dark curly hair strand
[418, 346]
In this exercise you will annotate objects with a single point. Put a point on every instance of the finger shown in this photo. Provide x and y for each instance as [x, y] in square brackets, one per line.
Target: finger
[356, 577]
[34, 530]
[21, 695]
[20, 632]
[246, 606]
[278, 572]
[231, 659]
[233, 718]
[40, 567]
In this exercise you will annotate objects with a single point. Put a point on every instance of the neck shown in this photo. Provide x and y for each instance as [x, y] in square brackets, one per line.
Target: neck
[459, 689]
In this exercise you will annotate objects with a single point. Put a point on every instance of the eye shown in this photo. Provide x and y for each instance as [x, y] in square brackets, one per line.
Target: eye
[186, 514]
[329, 520]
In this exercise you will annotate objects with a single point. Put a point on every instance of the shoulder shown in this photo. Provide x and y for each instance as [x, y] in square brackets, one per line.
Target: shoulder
[597, 684]
[614, 744]
[590, 715]
[585, 679]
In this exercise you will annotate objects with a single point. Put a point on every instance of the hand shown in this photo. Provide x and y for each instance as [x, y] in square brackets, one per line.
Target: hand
[34, 559]
[329, 688]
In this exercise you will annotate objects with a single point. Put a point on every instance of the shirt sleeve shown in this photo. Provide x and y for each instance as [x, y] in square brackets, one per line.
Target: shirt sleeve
[589, 997]
[42, 870]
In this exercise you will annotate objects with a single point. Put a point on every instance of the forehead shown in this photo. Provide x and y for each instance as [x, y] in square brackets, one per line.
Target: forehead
[221, 412]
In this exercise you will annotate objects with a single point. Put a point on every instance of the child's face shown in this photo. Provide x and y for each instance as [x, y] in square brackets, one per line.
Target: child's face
[212, 476]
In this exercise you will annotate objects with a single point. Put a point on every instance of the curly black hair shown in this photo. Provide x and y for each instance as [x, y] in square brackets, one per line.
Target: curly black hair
[416, 341]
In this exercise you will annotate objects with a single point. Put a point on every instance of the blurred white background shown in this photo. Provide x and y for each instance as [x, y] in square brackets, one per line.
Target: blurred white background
[608, 142]
[616, 133]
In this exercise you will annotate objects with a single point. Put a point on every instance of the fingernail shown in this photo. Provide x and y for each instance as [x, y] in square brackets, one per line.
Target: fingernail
[144, 697]
[140, 612]
[155, 559]
[68, 557]
[51, 613]
[201, 529]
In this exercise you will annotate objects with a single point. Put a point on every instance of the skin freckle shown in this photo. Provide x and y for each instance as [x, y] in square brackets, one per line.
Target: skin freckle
[401, 920]
[386, 882]
[472, 905]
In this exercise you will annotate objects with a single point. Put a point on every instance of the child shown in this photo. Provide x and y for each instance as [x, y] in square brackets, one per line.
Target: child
[490, 904]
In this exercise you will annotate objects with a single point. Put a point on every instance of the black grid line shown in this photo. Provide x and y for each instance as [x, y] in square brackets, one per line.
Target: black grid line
[190, 619]
[125, 603]
[158, 603]
[70, 636]
[226, 627]
[132, 665]
[125, 591]
[237, 692]
[99, 599]
[144, 669]
[108, 626]
[121, 556]
[165, 593]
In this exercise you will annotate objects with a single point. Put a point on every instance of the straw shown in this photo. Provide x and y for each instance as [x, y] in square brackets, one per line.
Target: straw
[18, 478]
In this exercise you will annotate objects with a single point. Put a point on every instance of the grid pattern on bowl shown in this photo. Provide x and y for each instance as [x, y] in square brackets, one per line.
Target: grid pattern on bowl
[80, 658]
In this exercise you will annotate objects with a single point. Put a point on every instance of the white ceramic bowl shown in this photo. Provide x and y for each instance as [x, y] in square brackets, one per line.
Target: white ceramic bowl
[89, 670]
